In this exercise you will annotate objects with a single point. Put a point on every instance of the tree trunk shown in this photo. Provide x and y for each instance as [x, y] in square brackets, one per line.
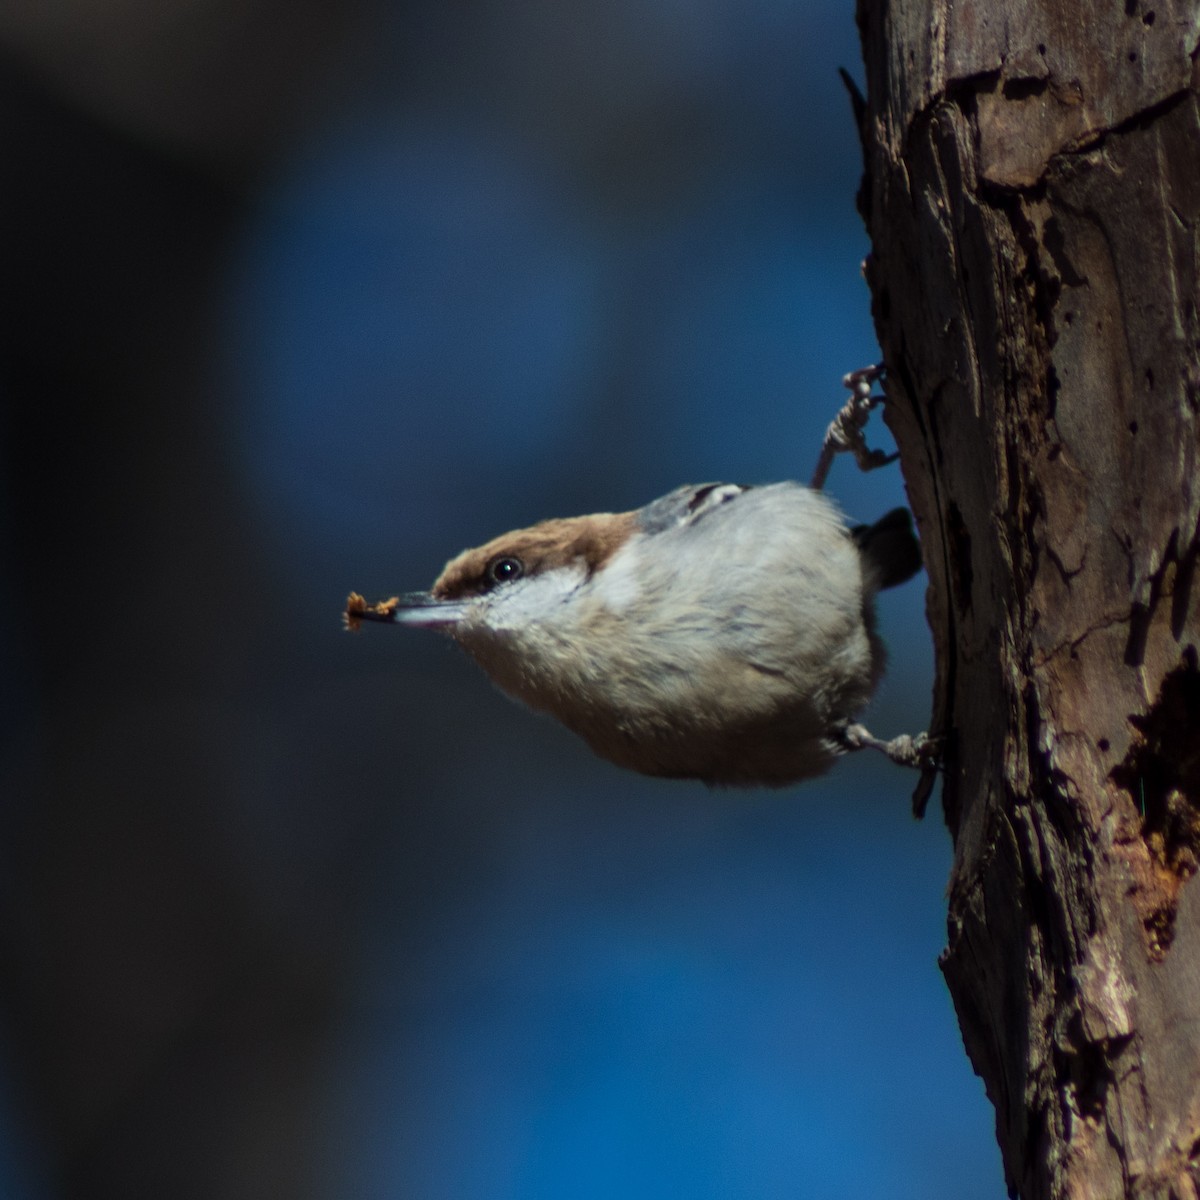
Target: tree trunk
[1032, 192]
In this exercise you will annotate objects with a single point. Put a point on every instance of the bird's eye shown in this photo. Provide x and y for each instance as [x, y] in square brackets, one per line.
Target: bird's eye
[504, 570]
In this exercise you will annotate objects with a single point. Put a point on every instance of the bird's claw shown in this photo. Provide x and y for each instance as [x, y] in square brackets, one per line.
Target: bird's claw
[845, 432]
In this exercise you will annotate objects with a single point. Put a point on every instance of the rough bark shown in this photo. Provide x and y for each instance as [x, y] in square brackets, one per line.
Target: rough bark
[1032, 192]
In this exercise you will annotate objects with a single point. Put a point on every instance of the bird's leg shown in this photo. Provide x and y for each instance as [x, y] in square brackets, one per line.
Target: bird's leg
[923, 753]
[920, 752]
[845, 431]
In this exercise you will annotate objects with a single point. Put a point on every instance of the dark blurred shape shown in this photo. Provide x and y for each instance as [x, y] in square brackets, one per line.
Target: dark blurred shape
[157, 1026]
[218, 84]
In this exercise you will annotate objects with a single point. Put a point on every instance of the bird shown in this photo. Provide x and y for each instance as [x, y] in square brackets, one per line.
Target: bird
[723, 632]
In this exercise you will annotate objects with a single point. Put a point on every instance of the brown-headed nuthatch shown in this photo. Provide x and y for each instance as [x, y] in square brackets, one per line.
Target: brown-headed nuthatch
[722, 633]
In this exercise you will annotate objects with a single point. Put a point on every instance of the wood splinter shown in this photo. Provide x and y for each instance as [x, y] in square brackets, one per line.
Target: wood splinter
[358, 611]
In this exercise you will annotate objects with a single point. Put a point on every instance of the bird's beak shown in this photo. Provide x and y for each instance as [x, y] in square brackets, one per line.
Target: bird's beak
[422, 609]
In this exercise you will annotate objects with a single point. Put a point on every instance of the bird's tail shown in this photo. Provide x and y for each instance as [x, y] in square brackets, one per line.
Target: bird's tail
[889, 548]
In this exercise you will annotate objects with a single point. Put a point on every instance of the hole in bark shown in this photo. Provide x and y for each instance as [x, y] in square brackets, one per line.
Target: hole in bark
[1042, 49]
[961, 574]
[1090, 1077]
[1090, 1066]
[1021, 89]
[1133, 56]
[1161, 773]
[1068, 318]
[1150, 378]
[1133, 427]
[1102, 745]
[1148, 19]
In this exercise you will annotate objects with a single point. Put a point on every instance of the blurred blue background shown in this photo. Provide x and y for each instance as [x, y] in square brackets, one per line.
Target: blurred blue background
[305, 298]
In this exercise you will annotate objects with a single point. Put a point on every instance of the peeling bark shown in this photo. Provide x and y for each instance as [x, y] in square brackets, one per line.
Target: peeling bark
[1032, 192]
